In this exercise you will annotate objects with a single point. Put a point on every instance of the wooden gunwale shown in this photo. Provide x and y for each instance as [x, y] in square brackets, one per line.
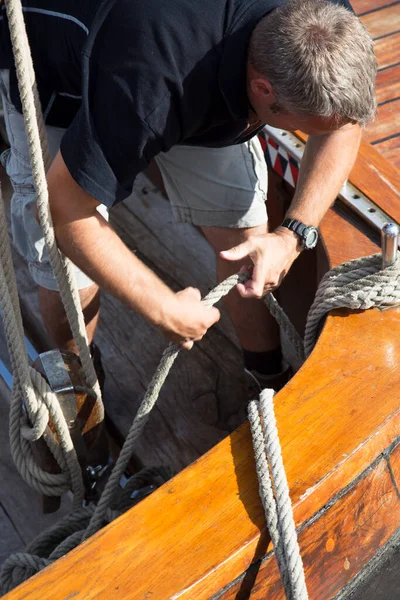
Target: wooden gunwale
[338, 419]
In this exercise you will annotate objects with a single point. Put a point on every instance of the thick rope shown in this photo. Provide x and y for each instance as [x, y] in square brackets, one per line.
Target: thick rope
[286, 326]
[150, 398]
[30, 390]
[274, 492]
[36, 141]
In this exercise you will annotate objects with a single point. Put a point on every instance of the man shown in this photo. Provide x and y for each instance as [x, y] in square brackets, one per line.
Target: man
[188, 83]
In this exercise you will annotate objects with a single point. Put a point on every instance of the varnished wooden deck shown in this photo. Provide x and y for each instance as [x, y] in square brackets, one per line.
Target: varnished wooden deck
[204, 398]
[382, 19]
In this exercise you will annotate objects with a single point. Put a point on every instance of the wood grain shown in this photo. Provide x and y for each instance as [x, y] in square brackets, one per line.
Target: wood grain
[383, 22]
[390, 149]
[363, 6]
[388, 83]
[387, 123]
[387, 50]
[362, 519]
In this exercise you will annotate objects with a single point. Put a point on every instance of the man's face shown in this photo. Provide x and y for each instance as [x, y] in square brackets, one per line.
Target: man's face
[309, 124]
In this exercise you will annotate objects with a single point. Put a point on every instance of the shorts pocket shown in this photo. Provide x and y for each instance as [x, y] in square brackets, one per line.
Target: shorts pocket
[26, 232]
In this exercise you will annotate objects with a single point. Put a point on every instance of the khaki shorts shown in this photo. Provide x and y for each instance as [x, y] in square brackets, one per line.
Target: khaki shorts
[209, 187]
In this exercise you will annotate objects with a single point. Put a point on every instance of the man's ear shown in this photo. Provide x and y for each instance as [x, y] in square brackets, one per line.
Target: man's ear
[262, 89]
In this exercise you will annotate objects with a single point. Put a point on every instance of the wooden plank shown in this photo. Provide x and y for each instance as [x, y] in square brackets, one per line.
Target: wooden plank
[387, 123]
[387, 50]
[388, 83]
[365, 6]
[390, 149]
[384, 22]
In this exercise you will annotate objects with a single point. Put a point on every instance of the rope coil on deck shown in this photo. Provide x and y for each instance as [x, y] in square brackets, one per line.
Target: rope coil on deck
[358, 284]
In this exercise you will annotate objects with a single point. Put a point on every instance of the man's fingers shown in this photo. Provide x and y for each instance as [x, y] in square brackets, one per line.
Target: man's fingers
[190, 292]
[214, 315]
[187, 345]
[238, 252]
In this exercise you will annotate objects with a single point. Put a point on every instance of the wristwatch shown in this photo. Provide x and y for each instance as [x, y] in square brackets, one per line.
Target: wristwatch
[308, 234]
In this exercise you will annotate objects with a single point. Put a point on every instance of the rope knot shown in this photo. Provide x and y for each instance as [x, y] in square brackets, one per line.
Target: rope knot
[36, 419]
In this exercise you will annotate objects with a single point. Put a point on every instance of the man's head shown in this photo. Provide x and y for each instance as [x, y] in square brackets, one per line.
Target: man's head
[311, 61]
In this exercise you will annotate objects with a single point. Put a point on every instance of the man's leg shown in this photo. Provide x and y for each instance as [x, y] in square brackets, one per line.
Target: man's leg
[55, 319]
[223, 191]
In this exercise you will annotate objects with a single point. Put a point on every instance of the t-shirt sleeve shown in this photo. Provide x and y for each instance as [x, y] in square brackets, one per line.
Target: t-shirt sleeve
[107, 143]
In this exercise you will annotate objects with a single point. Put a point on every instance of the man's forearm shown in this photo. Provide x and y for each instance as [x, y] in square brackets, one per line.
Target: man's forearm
[325, 166]
[89, 241]
[98, 251]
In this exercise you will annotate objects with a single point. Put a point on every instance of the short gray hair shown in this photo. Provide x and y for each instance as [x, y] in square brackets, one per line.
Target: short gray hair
[319, 60]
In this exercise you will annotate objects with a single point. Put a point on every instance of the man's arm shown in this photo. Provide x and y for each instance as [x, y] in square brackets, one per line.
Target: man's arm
[90, 242]
[326, 164]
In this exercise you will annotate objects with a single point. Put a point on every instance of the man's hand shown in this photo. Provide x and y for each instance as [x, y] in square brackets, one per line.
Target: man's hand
[272, 256]
[186, 319]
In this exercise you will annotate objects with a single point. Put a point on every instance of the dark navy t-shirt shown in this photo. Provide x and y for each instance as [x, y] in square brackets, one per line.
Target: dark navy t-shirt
[132, 78]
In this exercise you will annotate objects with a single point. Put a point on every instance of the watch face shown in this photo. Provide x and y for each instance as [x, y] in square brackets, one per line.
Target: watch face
[310, 237]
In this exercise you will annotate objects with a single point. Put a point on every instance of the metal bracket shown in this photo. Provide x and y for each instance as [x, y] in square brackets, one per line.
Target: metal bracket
[61, 384]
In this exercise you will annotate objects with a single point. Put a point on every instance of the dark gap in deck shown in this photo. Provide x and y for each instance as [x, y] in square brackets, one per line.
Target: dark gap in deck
[385, 139]
[388, 67]
[379, 8]
[386, 35]
[389, 101]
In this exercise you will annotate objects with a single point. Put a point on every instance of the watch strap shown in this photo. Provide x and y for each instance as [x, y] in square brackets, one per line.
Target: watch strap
[294, 225]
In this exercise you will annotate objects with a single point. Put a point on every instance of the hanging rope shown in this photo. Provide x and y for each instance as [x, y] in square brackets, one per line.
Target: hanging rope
[274, 493]
[30, 391]
[36, 141]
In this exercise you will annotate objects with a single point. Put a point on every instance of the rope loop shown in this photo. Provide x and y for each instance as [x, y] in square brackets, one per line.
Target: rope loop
[358, 284]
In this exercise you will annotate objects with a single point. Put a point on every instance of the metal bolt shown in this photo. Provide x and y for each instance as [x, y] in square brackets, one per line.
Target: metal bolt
[389, 240]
